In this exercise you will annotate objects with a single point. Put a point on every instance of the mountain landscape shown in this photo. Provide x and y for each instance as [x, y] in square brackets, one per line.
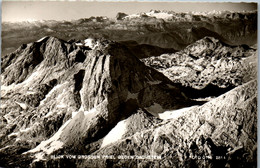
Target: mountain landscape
[154, 89]
[157, 28]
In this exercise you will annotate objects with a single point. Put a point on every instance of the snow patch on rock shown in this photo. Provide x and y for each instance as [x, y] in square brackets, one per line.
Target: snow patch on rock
[6, 89]
[160, 15]
[32, 77]
[79, 44]
[86, 113]
[22, 105]
[155, 109]
[17, 139]
[49, 114]
[50, 93]
[13, 134]
[25, 130]
[50, 145]
[8, 118]
[29, 92]
[165, 114]
[62, 105]
[174, 114]
[3, 106]
[39, 156]
[91, 43]
[156, 134]
[73, 114]
[42, 39]
[115, 134]
[132, 16]
[93, 110]
[9, 87]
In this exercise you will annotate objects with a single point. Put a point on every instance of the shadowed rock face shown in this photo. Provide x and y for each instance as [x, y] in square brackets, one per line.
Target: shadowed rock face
[120, 16]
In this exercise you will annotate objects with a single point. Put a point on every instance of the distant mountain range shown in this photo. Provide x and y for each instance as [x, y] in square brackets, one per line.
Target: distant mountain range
[188, 16]
[157, 28]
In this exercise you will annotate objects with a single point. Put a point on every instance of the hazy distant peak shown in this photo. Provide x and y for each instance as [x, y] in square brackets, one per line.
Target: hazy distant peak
[153, 13]
[187, 16]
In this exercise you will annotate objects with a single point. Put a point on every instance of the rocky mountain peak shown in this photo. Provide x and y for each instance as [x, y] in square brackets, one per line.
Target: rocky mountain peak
[94, 87]
[213, 47]
[46, 52]
[207, 42]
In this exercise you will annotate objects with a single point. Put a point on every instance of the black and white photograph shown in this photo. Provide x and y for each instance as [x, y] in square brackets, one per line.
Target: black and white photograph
[128, 84]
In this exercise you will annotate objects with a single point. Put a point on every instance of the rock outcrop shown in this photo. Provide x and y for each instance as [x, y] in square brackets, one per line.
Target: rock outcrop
[120, 16]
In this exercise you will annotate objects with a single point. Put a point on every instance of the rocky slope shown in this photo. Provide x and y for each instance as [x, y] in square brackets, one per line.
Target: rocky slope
[220, 133]
[63, 97]
[208, 62]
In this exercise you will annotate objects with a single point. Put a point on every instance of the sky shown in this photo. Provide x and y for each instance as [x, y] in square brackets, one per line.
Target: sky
[68, 10]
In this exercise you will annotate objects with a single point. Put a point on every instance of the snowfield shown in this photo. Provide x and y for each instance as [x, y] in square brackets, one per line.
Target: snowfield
[50, 145]
[115, 134]
[164, 114]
